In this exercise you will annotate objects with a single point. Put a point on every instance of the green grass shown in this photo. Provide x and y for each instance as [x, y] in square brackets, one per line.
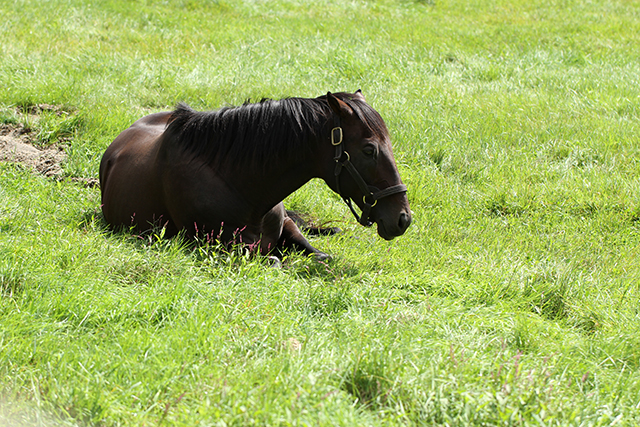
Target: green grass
[512, 300]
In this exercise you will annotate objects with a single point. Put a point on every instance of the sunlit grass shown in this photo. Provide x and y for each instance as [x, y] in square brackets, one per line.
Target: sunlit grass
[511, 299]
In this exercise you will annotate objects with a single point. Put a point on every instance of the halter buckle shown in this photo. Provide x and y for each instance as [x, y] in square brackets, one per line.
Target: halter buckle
[333, 135]
[364, 200]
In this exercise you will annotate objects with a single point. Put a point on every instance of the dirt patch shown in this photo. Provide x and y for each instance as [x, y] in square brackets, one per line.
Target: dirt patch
[17, 145]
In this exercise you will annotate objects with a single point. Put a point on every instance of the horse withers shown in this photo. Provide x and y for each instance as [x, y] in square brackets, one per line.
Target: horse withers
[224, 173]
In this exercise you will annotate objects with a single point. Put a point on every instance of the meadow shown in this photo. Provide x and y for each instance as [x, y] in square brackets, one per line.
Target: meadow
[512, 300]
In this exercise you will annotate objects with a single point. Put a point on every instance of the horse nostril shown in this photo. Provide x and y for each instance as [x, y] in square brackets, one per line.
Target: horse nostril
[404, 221]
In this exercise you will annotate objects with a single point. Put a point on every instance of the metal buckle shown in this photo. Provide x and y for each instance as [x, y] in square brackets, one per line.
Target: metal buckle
[364, 199]
[333, 138]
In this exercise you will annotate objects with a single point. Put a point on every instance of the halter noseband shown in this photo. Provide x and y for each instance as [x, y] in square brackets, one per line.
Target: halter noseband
[371, 194]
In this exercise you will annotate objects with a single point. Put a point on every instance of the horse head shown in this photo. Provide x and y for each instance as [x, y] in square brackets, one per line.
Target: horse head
[365, 170]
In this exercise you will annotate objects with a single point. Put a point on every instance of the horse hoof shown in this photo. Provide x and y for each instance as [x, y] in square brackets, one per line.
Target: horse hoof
[274, 261]
[321, 256]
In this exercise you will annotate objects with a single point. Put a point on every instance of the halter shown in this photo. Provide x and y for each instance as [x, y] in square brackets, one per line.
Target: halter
[371, 194]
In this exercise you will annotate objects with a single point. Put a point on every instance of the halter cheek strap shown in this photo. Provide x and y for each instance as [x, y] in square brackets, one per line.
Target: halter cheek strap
[371, 194]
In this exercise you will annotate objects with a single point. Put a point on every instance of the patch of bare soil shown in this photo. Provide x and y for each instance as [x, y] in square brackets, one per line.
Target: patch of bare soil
[16, 145]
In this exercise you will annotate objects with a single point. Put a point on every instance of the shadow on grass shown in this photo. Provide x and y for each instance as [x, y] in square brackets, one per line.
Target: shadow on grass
[367, 382]
[92, 220]
[215, 254]
[11, 281]
[333, 270]
[374, 381]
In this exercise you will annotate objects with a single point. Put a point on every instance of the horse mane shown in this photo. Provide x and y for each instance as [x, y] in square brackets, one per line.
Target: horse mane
[261, 133]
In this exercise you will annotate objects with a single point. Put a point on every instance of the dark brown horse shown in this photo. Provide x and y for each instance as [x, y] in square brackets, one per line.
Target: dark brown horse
[225, 173]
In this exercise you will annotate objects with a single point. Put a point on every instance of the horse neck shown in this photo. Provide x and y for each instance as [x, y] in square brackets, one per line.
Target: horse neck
[268, 186]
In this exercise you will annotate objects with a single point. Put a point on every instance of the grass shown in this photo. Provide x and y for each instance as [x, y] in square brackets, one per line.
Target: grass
[511, 300]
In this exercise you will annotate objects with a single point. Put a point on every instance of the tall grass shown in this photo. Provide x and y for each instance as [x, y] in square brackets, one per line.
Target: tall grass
[511, 300]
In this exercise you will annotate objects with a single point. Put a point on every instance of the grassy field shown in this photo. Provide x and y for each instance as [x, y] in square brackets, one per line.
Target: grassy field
[512, 300]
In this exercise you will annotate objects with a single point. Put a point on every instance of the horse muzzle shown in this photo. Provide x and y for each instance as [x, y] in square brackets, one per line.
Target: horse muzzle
[392, 226]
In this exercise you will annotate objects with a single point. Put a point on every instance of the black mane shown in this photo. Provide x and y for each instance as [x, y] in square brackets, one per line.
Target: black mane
[261, 133]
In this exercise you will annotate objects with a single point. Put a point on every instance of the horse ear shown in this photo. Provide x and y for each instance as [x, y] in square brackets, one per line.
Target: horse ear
[338, 107]
[359, 95]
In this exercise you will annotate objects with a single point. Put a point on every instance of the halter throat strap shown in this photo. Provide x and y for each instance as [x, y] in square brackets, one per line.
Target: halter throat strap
[371, 194]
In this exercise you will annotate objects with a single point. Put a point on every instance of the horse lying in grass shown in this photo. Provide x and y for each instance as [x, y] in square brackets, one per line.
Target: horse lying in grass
[224, 173]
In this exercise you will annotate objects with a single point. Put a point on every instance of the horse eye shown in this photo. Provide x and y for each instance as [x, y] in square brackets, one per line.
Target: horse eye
[369, 150]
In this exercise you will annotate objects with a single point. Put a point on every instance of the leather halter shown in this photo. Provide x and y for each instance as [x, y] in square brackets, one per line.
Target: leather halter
[371, 194]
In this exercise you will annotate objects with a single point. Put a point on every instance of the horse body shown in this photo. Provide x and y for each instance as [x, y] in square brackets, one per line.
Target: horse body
[225, 173]
[130, 175]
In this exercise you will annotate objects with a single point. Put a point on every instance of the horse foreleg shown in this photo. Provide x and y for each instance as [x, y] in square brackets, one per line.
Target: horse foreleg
[314, 231]
[292, 238]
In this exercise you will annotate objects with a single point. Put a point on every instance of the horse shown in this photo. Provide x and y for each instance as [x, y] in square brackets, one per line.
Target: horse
[225, 173]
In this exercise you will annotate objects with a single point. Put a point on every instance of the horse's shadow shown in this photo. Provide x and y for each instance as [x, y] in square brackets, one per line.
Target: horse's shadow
[93, 219]
[202, 250]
